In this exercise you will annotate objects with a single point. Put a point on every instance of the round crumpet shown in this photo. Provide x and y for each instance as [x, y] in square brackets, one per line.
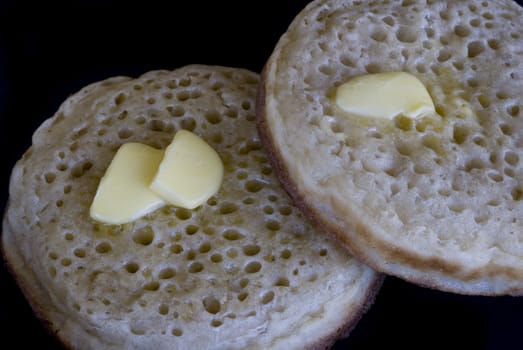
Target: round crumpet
[244, 270]
[436, 200]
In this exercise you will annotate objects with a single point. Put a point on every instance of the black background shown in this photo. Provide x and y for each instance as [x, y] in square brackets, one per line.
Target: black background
[48, 52]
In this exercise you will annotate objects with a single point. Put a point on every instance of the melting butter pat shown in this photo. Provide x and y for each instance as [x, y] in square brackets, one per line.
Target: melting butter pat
[385, 95]
[190, 172]
[123, 194]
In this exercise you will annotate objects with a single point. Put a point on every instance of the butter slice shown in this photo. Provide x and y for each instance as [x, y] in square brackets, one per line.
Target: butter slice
[385, 95]
[190, 172]
[123, 194]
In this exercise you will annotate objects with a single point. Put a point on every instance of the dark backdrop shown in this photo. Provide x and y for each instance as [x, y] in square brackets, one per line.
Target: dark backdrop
[48, 52]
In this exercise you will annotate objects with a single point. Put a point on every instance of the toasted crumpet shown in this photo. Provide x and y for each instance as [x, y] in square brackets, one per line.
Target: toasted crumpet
[245, 270]
[437, 201]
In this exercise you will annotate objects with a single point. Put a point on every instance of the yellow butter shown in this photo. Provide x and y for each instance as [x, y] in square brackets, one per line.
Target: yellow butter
[385, 95]
[190, 172]
[123, 194]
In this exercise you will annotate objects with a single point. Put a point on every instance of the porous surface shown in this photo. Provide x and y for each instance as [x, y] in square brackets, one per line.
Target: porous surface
[437, 201]
[245, 270]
